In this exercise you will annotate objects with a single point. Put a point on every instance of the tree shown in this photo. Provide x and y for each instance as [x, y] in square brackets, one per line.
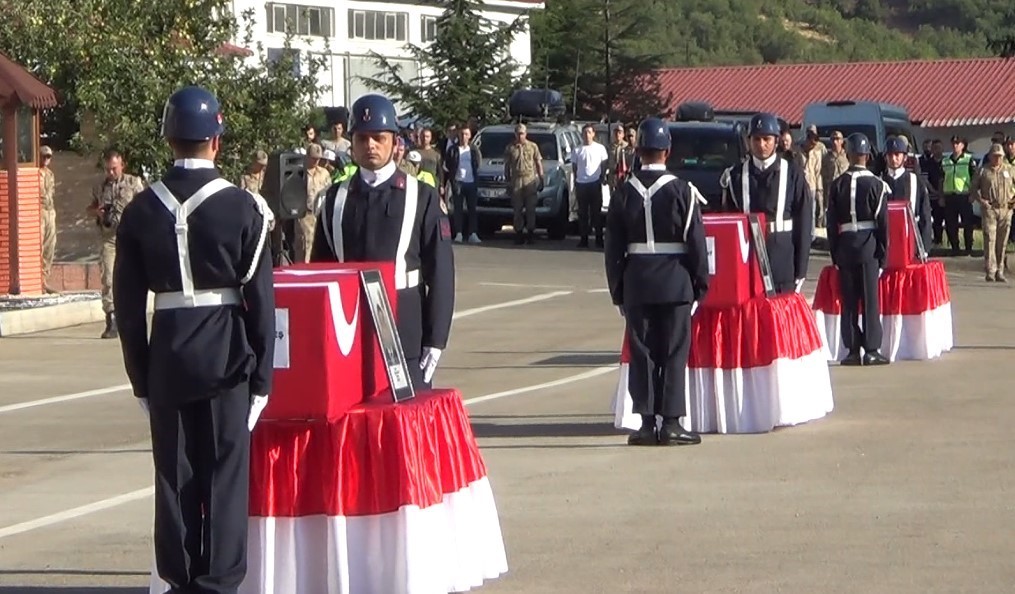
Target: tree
[1001, 40]
[114, 63]
[467, 71]
[602, 53]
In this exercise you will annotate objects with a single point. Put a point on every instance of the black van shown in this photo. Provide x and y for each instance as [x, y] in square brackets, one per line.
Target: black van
[703, 147]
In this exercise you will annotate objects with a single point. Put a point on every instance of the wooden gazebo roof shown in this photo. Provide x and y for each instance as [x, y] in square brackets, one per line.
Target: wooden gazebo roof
[17, 83]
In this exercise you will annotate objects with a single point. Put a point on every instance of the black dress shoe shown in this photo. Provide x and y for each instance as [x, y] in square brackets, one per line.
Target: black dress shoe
[674, 434]
[642, 437]
[875, 358]
[851, 360]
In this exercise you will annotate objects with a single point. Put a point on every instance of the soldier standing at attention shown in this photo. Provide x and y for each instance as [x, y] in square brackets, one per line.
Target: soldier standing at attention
[47, 183]
[316, 179]
[858, 241]
[906, 186]
[774, 186]
[381, 214]
[994, 188]
[254, 177]
[619, 163]
[657, 271]
[109, 198]
[523, 172]
[833, 165]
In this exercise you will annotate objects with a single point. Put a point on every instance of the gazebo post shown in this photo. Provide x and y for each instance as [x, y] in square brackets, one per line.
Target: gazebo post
[10, 164]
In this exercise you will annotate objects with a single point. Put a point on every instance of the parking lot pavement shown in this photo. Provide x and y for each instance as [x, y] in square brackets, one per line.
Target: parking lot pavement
[905, 487]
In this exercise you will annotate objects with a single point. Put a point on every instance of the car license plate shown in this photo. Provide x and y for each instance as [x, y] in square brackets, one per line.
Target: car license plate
[490, 192]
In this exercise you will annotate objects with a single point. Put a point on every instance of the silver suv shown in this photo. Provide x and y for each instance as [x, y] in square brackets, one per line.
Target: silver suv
[554, 201]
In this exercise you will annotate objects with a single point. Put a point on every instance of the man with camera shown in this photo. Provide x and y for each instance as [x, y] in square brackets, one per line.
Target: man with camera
[109, 198]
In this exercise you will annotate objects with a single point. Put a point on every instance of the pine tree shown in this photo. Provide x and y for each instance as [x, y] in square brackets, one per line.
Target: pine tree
[610, 48]
[467, 71]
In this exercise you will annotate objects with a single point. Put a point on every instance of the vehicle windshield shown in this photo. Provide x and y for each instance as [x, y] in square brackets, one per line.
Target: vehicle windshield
[493, 144]
[703, 150]
[870, 132]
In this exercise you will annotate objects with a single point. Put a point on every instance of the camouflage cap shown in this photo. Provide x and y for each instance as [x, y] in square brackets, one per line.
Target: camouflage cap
[261, 157]
[996, 149]
[45, 151]
[314, 151]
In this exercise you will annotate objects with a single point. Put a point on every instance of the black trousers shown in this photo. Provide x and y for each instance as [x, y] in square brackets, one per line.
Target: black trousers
[590, 210]
[937, 217]
[202, 465]
[660, 346]
[957, 206]
[465, 197]
[859, 286]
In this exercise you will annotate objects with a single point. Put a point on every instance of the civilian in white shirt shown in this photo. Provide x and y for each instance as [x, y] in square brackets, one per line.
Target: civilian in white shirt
[591, 166]
[462, 162]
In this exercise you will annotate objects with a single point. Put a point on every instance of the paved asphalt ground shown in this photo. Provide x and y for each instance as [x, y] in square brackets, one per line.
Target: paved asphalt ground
[908, 486]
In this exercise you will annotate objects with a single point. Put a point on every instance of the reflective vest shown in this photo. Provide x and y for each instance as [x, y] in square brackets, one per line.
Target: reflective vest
[427, 178]
[957, 174]
[341, 175]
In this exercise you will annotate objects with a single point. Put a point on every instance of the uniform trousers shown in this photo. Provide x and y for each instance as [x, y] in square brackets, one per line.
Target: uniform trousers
[858, 284]
[202, 466]
[465, 198]
[590, 210]
[661, 344]
[305, 237]
[48, 241]
[523, 202]
[107, 258]
[957, 206]
[937, 218]
[996, 222]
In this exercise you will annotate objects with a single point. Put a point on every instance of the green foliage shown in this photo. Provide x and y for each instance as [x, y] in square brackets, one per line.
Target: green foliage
[466, 72]
[115, 62]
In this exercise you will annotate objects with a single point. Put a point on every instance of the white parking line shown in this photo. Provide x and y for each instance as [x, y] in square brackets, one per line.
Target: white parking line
[124, 387]
[117, 500]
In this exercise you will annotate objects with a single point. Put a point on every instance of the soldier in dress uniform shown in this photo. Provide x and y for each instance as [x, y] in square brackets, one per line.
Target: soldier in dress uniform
[199, 244]
[657, 270]
[857, 240]
[382, 214]
[769, 184]
[907, 186]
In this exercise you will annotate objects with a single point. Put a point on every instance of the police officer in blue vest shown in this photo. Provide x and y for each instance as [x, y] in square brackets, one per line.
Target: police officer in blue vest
[382, 214]
[657, 270]
[774, 186]
[858, 240]
[907, 186]
[199, 244]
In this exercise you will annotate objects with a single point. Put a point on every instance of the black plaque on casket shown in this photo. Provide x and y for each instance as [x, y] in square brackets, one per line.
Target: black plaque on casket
[387, 335]
[761, 253]
[921, 250]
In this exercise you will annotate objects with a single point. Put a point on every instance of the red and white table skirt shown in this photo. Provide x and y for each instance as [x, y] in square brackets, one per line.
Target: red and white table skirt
[389, 499]
[916, 312]
[752, 368]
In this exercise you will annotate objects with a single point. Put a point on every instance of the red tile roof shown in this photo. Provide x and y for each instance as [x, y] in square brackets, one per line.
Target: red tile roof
[18, 83]
[937, 93]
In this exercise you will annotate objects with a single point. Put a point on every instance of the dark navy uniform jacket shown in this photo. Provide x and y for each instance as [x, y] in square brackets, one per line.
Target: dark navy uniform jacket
[199, 243]
[400, 221]
[857, 218]
[655, 241]
[910, 187]
[780, 193]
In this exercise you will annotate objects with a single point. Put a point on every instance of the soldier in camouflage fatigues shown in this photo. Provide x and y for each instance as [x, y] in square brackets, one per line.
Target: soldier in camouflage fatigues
[317, 179]
[251, 180]
[47, 186]
[994, 188]
[109, 197]
[523, 172]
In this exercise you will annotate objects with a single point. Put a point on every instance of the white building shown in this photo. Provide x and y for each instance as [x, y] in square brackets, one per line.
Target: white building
[345, 32]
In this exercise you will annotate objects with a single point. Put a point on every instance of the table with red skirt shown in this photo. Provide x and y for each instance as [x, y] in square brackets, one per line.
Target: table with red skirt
[916, 312]
[388, 499]
[752, 367]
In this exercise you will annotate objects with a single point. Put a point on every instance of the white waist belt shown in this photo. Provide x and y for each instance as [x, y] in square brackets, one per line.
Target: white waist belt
[202, 298]
[861, 226]
[410, 280]
[656, 248]
[787, 225]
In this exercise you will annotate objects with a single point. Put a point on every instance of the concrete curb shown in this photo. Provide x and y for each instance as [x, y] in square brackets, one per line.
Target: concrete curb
[53, 317]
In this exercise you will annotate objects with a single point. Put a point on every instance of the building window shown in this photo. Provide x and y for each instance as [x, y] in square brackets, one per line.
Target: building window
[316, 21]
[428, 27]
[374, 25]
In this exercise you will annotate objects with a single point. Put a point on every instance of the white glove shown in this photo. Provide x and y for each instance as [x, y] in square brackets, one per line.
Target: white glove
[143, 403]
[694, 308]
[428, 362]
[881, 272]
[799, 284]
[257, 404]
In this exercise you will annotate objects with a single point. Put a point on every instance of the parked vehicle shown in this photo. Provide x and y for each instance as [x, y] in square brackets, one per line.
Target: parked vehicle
[703, 147]
[877, 121]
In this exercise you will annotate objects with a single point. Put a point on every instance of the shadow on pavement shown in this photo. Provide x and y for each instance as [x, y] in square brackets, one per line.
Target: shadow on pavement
[544, 430]
[72, 453]
[72, 590]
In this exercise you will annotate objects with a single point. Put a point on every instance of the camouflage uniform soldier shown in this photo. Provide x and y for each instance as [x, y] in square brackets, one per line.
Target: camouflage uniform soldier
[254, 177]
[523, 171]
[317, 180]
[109, 198]
[47, 184]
